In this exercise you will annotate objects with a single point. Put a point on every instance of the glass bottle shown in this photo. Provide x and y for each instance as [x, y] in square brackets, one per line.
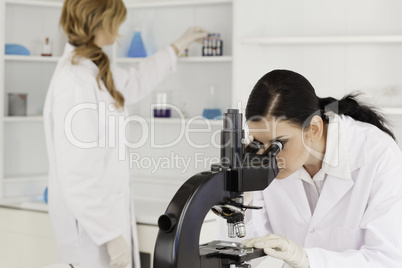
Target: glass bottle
[47, 48]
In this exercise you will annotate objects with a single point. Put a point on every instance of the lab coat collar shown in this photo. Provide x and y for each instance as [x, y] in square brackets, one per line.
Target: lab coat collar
[336, 163]
[336, 159]
[355, 142]
[68, 53]
[351, 157]
[69, 48]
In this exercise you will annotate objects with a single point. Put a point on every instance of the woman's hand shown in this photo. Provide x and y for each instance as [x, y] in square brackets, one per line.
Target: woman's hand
[119, 252]
[281, 247]
[192, 34]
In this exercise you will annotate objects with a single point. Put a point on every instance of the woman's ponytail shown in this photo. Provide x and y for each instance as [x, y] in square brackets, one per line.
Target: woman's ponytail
[80, 20]
[96, 54]
[349, 105]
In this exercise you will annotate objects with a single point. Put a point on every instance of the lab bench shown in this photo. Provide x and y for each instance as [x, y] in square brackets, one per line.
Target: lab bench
[27, 240]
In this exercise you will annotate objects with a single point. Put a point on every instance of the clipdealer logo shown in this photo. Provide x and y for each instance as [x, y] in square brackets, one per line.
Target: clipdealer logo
[112, 128]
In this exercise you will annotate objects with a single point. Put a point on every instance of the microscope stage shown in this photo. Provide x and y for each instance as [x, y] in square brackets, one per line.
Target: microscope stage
[230, 250]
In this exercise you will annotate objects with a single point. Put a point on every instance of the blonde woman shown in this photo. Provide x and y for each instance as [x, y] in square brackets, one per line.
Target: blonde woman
[89, 187]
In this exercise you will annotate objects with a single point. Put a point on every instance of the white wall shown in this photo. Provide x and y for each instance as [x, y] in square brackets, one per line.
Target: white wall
[333, 69]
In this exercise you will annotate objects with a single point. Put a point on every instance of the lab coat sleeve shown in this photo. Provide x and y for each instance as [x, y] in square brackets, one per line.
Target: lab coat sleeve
[257, 223]
[80, 171]
[257, 220]
[382, 223]
[137, 82]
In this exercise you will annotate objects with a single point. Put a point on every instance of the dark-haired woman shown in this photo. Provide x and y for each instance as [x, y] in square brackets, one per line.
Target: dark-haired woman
[337, 200]
[89, 184]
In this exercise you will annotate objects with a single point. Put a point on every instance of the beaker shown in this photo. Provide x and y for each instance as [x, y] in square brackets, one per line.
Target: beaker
[17, 104]
[161, 108]
[212, 110]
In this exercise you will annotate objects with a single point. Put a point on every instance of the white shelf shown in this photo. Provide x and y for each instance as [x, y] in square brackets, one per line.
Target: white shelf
[23, 119]
[30, 58]
[19, 179]
[132, 5]
[308, 40]
[391, 110]
[183, 59]
[206, 59]
[157, 120]
[129, 60]
[158, 180]
[156, 4]
[119, 60]
[41, 3]
[177, 121]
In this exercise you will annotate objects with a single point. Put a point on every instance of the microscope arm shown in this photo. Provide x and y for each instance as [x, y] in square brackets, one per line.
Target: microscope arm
[180, 226]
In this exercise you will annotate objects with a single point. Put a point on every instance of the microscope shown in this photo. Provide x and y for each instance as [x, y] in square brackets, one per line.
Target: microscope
[241, 169]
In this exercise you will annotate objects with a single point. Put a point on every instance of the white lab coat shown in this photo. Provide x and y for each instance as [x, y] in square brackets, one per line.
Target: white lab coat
[357, 222]
[89, 189]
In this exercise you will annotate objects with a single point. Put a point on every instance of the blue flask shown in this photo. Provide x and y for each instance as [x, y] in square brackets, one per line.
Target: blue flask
[137, 49]
[45, 195]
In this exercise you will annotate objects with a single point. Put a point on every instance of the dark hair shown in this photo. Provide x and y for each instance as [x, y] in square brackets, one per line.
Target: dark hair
[283, 93]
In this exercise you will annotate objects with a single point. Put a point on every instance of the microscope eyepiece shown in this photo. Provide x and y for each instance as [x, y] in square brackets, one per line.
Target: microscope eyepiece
[278, 144]
[273, 149]
[254, 147]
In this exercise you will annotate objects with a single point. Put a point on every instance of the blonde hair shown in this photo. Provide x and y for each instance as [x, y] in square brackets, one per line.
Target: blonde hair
[80, 20]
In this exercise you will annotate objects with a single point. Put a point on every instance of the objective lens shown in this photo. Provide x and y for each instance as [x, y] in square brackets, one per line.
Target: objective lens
[231, 230]
[240, 228]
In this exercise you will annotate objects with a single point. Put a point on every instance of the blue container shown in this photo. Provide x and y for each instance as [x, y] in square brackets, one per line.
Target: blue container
[212, 114]
[15, 49]
[165, 113]
[137, 49]
[45, 195]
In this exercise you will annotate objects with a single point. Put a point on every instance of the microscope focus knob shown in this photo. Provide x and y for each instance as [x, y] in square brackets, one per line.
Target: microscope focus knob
[166, 222]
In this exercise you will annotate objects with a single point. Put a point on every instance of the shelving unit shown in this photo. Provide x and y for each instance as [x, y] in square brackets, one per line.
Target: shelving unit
[330, 41]
[182, 59]
[216, 15]
[22, 179]
[129, 4]
[16, 58]
[186, 122]
[174, 121]
[158, 4]
[340, 47]
[49, 3]
[391, 111]
[23, 119]
[322, 40]
[2, 96]
[195, 73]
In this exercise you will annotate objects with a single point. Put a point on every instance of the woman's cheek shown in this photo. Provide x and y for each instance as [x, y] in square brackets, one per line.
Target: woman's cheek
[281, 162]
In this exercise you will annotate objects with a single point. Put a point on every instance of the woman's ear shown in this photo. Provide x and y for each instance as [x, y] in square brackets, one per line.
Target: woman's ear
[316, 128]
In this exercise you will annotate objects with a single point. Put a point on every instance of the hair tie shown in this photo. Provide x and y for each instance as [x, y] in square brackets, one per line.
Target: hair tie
[323, 115]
